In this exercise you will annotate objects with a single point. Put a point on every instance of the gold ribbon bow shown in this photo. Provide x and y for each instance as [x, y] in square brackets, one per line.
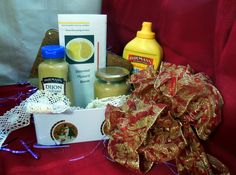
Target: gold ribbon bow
[163, 119]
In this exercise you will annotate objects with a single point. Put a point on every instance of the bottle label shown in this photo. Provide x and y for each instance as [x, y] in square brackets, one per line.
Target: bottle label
[140, 62]
[54, 85]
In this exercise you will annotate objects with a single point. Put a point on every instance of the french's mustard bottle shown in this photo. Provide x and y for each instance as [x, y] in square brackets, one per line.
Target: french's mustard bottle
[143, 50]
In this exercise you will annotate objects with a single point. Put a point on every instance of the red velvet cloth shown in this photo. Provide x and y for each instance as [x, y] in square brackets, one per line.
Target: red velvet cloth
[56, 161]
[201, 33]
[12, 95]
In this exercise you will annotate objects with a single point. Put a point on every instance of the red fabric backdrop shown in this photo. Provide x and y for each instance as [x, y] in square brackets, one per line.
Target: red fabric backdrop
[201, 33]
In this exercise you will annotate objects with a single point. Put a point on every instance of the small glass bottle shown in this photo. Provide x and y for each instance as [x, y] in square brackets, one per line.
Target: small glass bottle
[111, 81]
[53, 71]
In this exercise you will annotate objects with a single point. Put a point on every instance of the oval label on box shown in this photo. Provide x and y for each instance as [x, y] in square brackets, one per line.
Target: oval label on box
[63, 132]
[102, 127]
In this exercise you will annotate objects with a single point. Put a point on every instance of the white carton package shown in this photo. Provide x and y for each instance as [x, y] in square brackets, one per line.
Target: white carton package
[69, 127]
[84, 38]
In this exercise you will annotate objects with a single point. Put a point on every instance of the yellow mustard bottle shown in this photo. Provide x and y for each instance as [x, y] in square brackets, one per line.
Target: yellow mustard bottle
[143, 50]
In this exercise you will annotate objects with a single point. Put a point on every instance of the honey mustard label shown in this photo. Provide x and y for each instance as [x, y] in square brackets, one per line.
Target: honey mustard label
[54, 85]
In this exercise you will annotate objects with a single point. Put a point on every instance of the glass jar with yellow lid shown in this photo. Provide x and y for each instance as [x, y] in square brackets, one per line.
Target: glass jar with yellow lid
[111, 81]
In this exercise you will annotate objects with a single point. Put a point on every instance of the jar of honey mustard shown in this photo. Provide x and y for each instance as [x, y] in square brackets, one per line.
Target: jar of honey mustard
[111, 81]
[53, 71]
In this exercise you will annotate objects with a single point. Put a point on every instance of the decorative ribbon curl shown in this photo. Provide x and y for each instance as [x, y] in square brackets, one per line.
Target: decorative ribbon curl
[158, 120]
[24, 144]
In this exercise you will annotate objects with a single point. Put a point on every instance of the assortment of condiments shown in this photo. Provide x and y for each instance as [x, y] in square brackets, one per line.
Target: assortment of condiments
[142, 51]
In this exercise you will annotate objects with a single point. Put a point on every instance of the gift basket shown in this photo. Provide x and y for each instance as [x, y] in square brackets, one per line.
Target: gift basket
[129, 91]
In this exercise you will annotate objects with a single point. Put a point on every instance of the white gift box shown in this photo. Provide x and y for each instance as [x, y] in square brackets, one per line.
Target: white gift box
[69, 127]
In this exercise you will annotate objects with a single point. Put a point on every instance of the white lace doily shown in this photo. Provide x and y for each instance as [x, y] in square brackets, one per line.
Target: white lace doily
[47, 102]
[39, 102]
[14, 119]
[115, 101]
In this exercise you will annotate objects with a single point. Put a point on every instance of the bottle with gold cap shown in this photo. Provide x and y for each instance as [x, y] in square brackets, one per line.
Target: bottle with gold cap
[143, 50]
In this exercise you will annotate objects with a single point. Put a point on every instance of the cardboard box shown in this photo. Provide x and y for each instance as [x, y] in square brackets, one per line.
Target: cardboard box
[70, 126]
[84, 37]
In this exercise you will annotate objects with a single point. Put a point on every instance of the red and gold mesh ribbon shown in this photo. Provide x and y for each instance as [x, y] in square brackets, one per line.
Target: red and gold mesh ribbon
[163, 119]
